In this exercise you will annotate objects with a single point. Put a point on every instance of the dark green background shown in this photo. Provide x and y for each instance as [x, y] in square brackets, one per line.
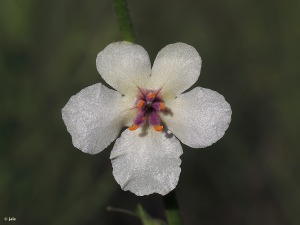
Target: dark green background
[250, 52]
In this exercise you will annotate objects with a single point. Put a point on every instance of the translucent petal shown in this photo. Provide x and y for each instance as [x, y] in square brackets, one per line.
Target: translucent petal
[199, 117]
[146, 163]
[175, 69]
[124, 66]
[94, 118]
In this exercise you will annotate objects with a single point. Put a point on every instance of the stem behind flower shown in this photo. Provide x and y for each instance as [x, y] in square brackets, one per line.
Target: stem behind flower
[124, 20]
[172, 209]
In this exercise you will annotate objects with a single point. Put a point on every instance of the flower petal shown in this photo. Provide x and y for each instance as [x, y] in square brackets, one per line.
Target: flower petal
[124, 66]
[175, 69]
[146, 163]
[94, 118]
[199, 117]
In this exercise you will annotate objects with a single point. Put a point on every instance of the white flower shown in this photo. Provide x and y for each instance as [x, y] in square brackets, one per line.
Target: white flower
[146, 158]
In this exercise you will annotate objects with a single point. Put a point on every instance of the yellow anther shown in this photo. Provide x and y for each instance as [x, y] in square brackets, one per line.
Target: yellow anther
[133, 127]
[151, 95]
[140, 104]
[158, 127]
[162, 106]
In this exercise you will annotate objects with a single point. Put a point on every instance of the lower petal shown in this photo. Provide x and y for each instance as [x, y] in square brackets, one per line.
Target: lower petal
[199, 117]
[146, 163]
[94, 118]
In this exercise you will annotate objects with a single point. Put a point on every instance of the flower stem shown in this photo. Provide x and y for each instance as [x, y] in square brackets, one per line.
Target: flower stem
[124, 20]
[172, 209]
[112, 209]
[170, 201]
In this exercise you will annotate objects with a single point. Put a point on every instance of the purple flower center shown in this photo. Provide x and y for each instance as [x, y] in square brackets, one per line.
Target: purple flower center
[148, 103]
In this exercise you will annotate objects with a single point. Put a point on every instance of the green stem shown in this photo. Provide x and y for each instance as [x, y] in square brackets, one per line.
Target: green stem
[112, 209]
[124, 20]
[172, 209]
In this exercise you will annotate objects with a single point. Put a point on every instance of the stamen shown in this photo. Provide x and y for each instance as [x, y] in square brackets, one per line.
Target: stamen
[151, 95]
[158, 127]
[162, 106]
[141, 103]
[149, 104]
[133, 127]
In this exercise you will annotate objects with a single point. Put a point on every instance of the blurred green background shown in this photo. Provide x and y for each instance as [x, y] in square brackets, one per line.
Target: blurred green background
[250, 52]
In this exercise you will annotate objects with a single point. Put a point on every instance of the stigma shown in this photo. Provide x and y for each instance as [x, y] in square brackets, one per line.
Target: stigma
[149, 105]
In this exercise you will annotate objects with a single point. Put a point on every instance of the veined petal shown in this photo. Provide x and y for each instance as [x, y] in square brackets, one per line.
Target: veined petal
[175, 69]
[146, 163]
[94, 118]
[124, 66]
[199, 118]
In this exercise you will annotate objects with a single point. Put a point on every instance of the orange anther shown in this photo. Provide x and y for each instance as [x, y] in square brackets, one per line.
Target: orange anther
[140, 104]
[158, 127]
[151, 95]
[133, 127]
[162, 106]
[144, 118]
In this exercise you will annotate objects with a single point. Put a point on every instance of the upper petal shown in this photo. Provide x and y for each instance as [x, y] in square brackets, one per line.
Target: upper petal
[146, 163]
[94, 117]
[124, 66]
[175, 69]
[199, 118]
